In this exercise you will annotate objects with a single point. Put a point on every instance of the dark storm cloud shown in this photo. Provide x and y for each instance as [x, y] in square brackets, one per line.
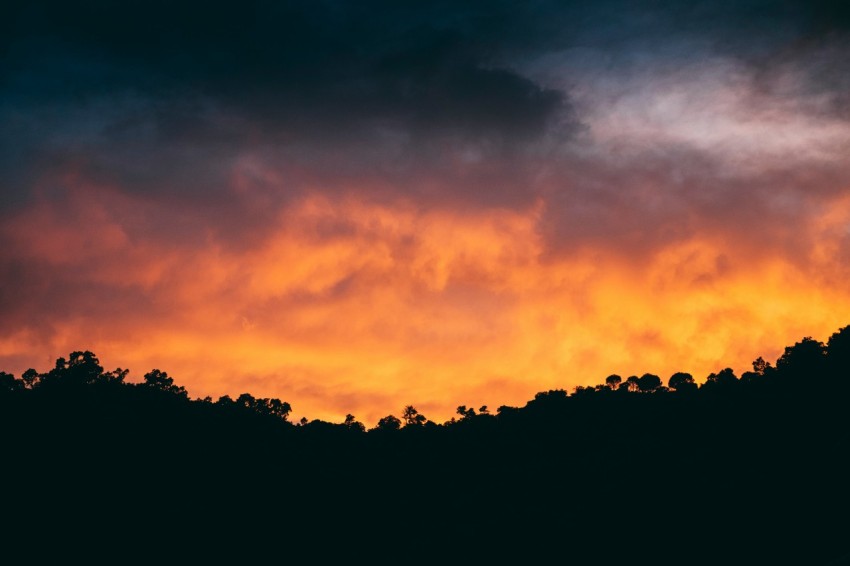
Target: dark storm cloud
[164, 98]
[311, 67]
[324, 66]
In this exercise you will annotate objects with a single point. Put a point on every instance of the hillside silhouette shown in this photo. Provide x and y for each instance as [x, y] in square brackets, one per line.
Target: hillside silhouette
[749, 469]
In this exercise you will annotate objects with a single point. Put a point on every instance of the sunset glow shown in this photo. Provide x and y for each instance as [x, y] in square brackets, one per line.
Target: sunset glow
[605, 205]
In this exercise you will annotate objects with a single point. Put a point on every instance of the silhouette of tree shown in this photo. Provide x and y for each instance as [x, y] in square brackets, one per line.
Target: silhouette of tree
[682, 382]
[412, 417]
[503, 410]
[723, 379]
[8, 383]
[225, 401]
[117, 375]
[80, 369]
[760, 366]
[613, 381]
[807, 356]
[353, 424]
[838, 355]
[30, 378]
[582, 391]
[246, 400]
[247, 403]
[389, 423]
[269, 407]
[161, 381]
[648, 382]
[464, 412]
[276, 408]
[631, 384]
[801, 366]
[761, 369]
[549, 400]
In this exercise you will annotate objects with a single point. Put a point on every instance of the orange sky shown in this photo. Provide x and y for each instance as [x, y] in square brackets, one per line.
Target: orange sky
[358, 206]
[363, 308]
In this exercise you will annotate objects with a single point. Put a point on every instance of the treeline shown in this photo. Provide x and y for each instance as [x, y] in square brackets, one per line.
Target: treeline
[749, 469]
[807, 366]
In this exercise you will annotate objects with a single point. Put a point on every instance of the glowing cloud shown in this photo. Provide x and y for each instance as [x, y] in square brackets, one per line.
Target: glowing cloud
[353, 307]
[472, 205]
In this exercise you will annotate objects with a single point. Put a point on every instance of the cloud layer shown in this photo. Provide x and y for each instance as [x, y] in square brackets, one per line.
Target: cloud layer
[358, 206]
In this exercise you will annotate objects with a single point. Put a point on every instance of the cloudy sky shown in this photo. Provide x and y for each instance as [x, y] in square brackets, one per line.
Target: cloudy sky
[354, 206]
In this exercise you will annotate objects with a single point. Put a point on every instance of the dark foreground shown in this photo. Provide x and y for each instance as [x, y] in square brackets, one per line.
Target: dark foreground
[750, 470]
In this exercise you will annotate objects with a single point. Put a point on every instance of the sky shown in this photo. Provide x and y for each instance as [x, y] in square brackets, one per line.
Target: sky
[356, 206]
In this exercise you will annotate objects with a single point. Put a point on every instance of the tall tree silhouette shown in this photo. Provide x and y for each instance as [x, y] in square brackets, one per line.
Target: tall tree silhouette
[762, 370]
[412, 417]
[352, 423]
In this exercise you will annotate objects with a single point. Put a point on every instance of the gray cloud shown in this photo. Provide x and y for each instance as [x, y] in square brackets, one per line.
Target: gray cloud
[439, 102]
